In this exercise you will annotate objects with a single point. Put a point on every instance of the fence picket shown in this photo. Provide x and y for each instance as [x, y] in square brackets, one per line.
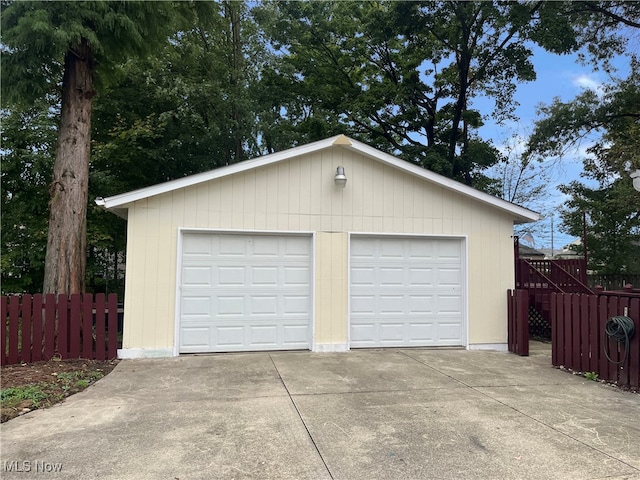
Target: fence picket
[63, 328]
[576, 334]
[594, 337]
[87, 325]
[25, 329]
[554, 328]
[74, 325]
[112, 346]
[14, 319]
[613, 349]
[50, 306]
[100, 327]
[634, 344]
[36, 339]
[3, 333]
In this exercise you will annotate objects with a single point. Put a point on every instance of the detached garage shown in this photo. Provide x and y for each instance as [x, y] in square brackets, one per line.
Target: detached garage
[278, 253]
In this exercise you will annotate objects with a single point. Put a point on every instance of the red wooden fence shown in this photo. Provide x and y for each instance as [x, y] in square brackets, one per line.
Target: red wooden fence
[40, 327]
[579, 340]
[518, 321]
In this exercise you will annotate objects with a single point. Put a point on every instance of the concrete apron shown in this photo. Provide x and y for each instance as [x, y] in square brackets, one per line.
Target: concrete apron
[365, 414]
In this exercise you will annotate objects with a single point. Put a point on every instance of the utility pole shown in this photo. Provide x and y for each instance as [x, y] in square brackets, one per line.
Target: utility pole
[551, 236]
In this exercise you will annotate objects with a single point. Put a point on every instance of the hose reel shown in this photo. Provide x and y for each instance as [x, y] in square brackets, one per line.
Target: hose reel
[620, 329]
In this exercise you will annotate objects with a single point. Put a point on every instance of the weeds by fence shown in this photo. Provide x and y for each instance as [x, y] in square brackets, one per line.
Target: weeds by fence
[41, 327]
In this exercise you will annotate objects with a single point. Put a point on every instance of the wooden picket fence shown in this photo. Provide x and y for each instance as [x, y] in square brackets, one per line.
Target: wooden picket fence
[41, 327]
[579, 341]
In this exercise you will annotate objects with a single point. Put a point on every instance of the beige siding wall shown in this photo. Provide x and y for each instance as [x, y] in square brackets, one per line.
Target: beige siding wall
[299, 195]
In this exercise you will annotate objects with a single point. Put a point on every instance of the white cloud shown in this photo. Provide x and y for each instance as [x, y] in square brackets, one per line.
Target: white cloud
[588, 83]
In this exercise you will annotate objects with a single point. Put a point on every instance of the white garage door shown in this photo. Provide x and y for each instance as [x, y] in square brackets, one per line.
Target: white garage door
[406, 292]
[245, 292]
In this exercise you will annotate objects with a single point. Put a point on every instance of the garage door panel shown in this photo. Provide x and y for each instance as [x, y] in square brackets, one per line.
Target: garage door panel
[391, 332]
[449, 331]
[196, 337]
[197, 276]
[242, 292]
[362, 276]
[296, 248]
[295, 336]
[363, 333]
[230, 276]
[449, 304]
[421, 277]
[403, 289]
[296, 276]
[230, 246]
[261, 276]
[196, 246]
[391, 276]
[263, 335]
[421, 332]
[420, 304]
[228, 306]
[391, 304]
[230, 336]
[263, 305]
[196, 306]
[449, 277]
[362, 304]
[295, 305]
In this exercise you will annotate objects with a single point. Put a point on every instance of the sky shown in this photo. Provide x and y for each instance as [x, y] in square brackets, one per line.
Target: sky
[557, 76]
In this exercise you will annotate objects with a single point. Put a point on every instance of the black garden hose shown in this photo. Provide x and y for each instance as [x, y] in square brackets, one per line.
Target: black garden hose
[620, 329]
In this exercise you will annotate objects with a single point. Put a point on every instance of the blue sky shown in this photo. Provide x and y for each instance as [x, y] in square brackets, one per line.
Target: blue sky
[557, 76]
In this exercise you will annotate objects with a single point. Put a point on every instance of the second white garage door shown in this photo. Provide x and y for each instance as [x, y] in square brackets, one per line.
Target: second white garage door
[406, 292]
[242, 292]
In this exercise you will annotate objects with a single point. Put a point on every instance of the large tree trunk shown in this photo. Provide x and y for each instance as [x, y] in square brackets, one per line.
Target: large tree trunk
[66, 258]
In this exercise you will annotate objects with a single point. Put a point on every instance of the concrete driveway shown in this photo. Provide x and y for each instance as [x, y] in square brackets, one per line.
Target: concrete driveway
[368, 414]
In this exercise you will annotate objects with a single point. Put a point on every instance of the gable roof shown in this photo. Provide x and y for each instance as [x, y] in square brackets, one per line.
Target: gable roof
[118, 204]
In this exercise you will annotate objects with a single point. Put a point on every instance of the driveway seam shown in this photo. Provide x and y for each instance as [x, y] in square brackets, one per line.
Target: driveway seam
[301, 418]
[475, 389]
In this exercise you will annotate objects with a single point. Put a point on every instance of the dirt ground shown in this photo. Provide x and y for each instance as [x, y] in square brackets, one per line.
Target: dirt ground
[53, 380]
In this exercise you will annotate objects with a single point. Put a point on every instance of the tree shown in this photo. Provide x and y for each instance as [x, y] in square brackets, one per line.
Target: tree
[402, 75]
[607, 200]
[71, 46]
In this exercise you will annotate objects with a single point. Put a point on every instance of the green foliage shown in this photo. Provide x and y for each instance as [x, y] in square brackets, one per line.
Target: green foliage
[37, 35]
[607, 199]
[28, 142]
[591, 376]
[15, 395]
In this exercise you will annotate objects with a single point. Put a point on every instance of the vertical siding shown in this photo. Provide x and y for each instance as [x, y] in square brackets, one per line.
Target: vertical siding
[299, 195]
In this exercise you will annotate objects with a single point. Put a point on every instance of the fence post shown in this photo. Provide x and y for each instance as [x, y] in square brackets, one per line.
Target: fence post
[523, 322]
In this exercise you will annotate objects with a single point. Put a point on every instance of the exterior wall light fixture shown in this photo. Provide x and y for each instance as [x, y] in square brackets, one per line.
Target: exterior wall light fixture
[340, 179]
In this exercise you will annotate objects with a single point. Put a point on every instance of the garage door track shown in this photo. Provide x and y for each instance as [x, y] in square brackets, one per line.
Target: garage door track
[366, 414]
